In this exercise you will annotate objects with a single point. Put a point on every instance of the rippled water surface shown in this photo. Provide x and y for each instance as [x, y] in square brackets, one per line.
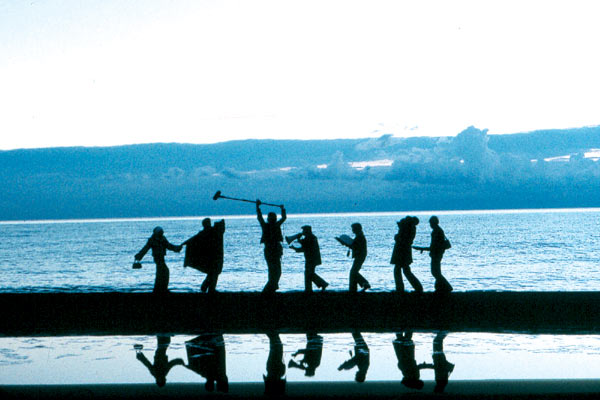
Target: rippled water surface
[512, 250]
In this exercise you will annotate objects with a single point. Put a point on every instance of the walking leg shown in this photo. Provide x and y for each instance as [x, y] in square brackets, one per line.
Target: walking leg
[413, 280]
[398, 278]
[308, 272]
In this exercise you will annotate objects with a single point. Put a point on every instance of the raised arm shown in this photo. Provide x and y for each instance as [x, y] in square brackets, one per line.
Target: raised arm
[259, 214]
[283, 215]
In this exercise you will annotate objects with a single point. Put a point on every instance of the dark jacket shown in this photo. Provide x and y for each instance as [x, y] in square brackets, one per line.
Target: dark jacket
[159, 246]
[437, 246]
[359, 246]
[204, 251]
[402, 253]
[310, 247]
[271, 232]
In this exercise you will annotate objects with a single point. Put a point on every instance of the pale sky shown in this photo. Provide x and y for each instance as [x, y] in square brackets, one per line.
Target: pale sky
[108, 72]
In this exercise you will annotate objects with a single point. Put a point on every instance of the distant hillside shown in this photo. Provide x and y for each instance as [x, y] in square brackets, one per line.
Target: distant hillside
[471, 170]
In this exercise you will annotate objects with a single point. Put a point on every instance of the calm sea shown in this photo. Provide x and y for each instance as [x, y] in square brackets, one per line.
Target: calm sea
[548, 250]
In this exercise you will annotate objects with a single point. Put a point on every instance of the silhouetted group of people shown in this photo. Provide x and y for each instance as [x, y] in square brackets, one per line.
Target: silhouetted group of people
[204, 252]
[206, 356]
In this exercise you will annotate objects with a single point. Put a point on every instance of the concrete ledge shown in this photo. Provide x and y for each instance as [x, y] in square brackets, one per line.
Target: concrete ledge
[47, 314]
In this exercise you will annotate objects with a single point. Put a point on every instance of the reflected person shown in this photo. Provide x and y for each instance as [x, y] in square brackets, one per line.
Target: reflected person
[204, 252]
[439, 244]
[275, 379]
[162, 365]
[159, 245]
[404, 347]
[442, 368]
[361, 358]
[272, 238]
[359, 254]
[312, 355]
[206, 357]
[402, 254]
[309, 245]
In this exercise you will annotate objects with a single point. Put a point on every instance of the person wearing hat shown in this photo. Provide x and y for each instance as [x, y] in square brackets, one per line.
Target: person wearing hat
[309, 245]
[159, 245]
[402, 254]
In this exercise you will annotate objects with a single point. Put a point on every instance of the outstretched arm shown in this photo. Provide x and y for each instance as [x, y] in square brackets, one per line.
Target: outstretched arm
[174, 248]
[421, 249]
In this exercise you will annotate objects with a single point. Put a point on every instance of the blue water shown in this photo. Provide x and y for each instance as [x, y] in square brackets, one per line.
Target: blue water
[512, 250]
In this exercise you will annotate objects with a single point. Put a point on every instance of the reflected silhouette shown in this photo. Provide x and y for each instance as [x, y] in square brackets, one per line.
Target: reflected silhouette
[439, 244]
[402, 254]
[441, 367]
[312, 355]
[359, 254]
[206, 357]
[404, 347]
[275, 380]
[272, 238]
[162, 365]
[309, 245]
[361, 358]
[204, 252]
[159, 245]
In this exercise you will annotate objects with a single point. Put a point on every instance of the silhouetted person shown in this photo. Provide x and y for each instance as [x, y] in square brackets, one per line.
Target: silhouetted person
[272, 238]
[436, 249]
[404, 347]
[359, 254]
[274, 380]
[312, 355]
[204, 252]
[206, 357]
[309, 245]
[402, 254]
[441, 367]
[162, 365]
[361, 358]
[159, 245]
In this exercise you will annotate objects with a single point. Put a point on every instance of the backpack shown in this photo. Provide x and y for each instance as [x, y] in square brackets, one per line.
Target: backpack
[447, 244]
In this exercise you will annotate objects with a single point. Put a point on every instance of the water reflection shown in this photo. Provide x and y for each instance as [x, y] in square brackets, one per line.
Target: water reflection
[361, 358]
[404, 347]
[275, 378]
[280, 363]
[162, 365]
[312, 355]
[206, 357]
